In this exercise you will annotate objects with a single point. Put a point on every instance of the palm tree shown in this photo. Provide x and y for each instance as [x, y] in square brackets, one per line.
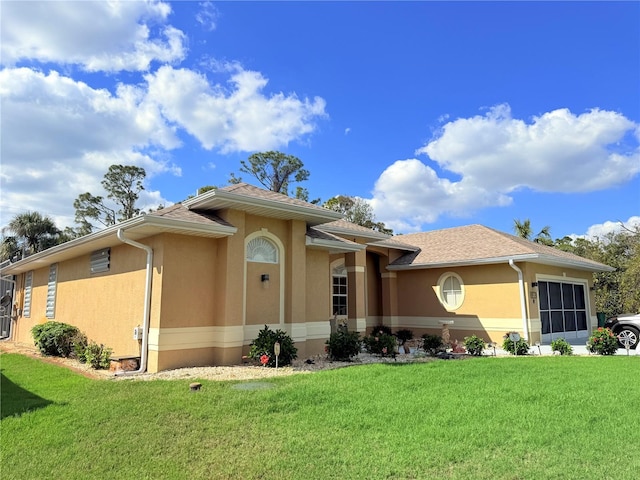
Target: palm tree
[34, 232]
[523, 230]
[8, 248]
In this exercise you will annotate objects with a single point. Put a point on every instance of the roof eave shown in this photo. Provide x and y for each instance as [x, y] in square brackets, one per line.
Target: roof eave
[107, 237]
[209, 200]
[372, 235]
[396, 246]
[334, 246]
[532, 258]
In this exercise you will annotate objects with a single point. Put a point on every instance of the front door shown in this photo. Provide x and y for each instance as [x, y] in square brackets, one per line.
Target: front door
[563, 310]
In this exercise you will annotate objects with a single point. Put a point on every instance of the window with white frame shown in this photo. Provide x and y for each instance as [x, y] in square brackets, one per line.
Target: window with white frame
[51, 291]
[339, 290]
[28, 282]
[262, 250]
[451, 290]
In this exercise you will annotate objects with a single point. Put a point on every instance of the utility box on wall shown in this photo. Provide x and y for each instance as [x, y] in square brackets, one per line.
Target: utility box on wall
[137, 333]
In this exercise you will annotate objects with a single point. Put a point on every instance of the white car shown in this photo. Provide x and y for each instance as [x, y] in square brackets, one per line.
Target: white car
[626, 327]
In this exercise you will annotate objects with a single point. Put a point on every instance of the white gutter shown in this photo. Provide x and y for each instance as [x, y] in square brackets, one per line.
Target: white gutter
[147, 303]
[523, 307]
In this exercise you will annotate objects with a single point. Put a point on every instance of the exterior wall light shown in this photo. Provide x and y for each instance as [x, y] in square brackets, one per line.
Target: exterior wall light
[264, 277]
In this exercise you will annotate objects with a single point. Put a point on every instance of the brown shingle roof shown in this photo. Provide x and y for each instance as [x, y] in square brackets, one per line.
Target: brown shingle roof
[255, 192]
[180, 212]
[474, 244]
[344, 227]
[260, 202]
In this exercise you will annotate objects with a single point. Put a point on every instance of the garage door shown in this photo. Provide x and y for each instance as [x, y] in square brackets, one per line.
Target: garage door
[563, 310]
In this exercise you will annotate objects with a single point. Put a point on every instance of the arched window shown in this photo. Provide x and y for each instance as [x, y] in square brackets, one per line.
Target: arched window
[339, 292]
[451, 290]
[262, 250]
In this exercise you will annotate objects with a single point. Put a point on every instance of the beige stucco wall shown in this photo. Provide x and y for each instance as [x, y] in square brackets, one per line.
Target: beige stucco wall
[491, 304]
[318, 280]
[188, 281]
[374, 286]
[105, 306]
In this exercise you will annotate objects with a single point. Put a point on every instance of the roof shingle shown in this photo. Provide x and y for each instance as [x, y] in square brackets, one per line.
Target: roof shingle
[473, 243]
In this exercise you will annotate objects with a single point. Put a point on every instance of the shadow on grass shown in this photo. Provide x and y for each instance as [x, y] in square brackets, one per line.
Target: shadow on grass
[16, 400]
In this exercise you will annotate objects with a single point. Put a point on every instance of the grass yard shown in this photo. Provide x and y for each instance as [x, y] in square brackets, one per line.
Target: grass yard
[485, 418]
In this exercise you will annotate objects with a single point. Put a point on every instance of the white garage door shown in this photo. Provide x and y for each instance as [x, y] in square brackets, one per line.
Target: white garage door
[563, 310]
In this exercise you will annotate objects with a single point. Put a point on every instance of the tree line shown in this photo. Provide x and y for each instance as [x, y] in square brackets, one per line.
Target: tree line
[31, 232]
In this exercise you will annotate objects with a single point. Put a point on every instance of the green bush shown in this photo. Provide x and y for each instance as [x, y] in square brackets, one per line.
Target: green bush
[474, 345]
[263, 345]
[343, 345]
[381, 329]
[54, 338]
[98, 356]
[562, 346]
[521, 347]
[403, 336]
[380, 343]
[80, 343]
[603, 342]
[432, 344]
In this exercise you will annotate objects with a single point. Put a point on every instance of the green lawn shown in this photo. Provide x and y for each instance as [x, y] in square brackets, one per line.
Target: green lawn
[485, 418]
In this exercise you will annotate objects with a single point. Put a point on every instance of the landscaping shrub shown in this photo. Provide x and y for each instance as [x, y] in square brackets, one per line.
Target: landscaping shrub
[380, 343]
[403, 336]
[263, 346]
[98, 356]
[521, 347]
[432, 344]
[381, 329]
[54, 338]
[603, 342]
[562, 346]
[474, 345]
[343, 345]
[79, 343]
[62, 340]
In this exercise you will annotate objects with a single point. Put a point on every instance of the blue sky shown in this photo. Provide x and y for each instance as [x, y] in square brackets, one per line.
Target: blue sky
[438, 113]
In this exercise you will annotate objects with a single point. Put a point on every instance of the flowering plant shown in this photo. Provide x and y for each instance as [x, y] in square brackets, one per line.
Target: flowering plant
[380, 343]
[263, 348]
[603, 342]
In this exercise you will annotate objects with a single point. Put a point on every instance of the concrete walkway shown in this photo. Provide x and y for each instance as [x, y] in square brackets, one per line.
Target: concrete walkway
[579, 348]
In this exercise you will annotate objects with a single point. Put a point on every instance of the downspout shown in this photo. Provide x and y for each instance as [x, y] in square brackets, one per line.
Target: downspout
[523, 307]
[147, 303]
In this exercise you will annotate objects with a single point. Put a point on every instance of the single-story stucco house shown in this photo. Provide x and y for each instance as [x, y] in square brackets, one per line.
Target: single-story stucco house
[193, 284]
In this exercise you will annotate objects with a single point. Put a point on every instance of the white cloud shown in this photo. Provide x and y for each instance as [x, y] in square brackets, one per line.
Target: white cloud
[410, 193]
[557, 152]
[239, 118]
[99, 36]
[495, 154]
[59, 137]
[601, 230]
[208, 16]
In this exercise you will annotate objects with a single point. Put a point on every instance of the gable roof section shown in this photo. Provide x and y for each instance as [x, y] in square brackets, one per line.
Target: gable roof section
[478, 245]
[265, 203]
[175, 219]
[327, 241]
[344, 228]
